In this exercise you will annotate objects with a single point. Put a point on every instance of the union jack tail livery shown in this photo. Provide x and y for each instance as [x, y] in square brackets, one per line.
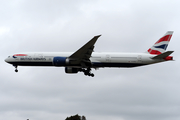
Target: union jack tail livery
[160, 46]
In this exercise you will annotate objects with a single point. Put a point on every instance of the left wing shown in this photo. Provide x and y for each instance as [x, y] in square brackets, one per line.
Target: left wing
[82, 55]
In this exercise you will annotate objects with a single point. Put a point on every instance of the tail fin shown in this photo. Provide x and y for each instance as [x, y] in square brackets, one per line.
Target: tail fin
[160, 46]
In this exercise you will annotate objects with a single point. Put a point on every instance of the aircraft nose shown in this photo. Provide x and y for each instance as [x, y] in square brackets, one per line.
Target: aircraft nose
[6, 60]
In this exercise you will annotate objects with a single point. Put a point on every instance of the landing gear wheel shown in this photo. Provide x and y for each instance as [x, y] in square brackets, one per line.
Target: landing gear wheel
[16, 70]
[92, 75]
[87, 72]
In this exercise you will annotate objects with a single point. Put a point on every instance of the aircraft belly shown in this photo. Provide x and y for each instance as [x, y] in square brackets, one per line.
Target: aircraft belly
[27, 63]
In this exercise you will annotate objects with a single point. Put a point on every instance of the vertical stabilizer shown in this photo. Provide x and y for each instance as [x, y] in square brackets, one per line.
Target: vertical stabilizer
[160, 46]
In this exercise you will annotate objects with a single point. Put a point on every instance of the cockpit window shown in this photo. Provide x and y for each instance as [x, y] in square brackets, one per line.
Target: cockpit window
[8, 56]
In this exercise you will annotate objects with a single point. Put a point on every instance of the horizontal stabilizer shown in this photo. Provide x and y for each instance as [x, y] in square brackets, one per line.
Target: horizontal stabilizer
[163, 55]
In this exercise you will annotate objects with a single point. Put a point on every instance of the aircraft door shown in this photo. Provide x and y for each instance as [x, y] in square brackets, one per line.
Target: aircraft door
[139, 58]
[108, 58]
[38, 55]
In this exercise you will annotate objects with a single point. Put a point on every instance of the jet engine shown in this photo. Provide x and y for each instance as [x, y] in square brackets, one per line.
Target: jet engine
[71, 70]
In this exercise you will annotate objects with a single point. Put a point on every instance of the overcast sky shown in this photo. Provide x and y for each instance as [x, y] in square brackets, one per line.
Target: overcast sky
[48, 93]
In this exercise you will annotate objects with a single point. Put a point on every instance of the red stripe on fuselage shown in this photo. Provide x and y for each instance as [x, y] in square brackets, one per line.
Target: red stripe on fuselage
[20, 55]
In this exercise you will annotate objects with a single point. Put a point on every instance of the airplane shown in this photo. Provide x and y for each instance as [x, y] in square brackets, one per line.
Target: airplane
[84, 59]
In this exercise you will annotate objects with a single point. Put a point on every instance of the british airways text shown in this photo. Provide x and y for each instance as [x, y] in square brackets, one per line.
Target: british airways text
[33, 59]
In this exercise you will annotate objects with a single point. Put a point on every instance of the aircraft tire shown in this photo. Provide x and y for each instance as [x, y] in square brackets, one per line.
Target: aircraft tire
[92, 75]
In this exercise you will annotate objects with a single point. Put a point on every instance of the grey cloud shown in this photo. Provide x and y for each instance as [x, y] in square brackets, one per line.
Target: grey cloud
[149, 92]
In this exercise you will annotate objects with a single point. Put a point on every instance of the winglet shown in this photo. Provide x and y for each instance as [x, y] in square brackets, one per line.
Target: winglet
[97, 36]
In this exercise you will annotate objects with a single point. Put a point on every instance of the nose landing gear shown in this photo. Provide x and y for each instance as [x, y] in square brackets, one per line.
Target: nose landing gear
[16, 70]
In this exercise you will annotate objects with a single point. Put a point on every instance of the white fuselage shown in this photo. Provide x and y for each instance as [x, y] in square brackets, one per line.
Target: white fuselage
[84, 58]
[97, 59]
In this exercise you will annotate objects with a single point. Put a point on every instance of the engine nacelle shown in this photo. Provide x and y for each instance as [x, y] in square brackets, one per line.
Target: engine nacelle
[71, 70]
[60, 61]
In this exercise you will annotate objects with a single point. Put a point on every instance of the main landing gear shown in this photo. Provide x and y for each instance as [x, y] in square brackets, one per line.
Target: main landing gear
[16, 70]
[87, 72]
